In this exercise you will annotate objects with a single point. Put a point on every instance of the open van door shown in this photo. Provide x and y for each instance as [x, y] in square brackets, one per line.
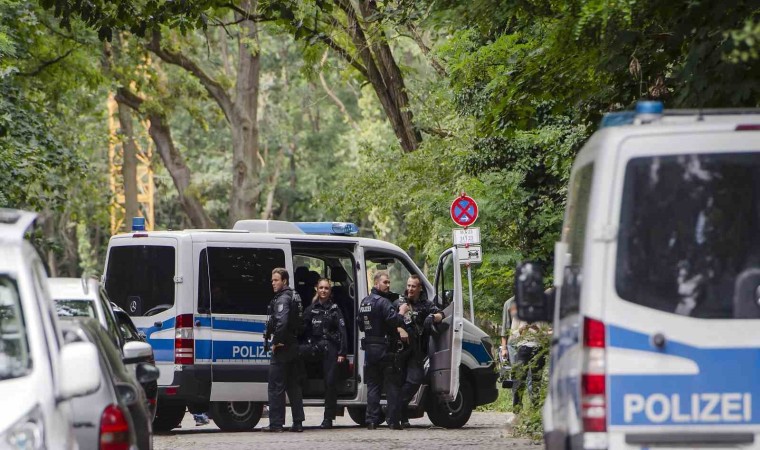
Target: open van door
[445, 350]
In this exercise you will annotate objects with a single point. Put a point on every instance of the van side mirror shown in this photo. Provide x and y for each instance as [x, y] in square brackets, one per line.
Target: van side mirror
[747, 294]
[532, 303]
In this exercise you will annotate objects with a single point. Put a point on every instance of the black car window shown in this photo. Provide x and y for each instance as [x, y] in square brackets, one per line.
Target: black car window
[688, 241]
[240, 280]
[140, 278]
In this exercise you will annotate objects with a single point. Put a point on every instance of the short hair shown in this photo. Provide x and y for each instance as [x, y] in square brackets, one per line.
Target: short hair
[282, 272]
[414, 276]
[381, 274]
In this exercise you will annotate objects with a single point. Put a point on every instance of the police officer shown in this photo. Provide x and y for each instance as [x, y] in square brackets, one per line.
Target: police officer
[420, 317]
[383, 332]
[284, 325]
[325, 335]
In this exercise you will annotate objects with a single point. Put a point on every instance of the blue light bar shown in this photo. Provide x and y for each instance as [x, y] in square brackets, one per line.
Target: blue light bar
[335, 228]
[138, 224]
[649, 107]
[615, 119]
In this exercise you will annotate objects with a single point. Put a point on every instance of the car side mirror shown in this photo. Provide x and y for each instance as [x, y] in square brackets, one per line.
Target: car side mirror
[448, 296]
[80, 370]
[127, 393]
[137, 352]
[147, 373]
[532, 303]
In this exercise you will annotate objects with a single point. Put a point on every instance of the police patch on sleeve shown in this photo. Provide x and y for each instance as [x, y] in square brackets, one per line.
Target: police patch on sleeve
[279, 307]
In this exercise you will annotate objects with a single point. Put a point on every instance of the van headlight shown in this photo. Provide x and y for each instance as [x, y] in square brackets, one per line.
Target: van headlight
[488, 345]
[26, 434]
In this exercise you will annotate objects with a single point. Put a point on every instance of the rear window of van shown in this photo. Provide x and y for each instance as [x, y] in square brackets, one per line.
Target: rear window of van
[689, 238]
[140, 278]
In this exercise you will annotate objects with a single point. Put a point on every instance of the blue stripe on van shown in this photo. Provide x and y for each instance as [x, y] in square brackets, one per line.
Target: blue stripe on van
[724, 391]
[477, 351]
[239, 325]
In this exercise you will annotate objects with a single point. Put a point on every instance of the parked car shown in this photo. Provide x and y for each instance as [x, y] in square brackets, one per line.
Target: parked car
[119, 407]
[39, 373]
[83, 297]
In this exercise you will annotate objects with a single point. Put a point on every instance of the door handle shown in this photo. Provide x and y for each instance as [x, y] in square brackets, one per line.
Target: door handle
[158, 324]
[197, 323]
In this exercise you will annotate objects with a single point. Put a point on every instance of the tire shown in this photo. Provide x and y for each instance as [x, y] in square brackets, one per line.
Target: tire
[452, 414]
[168, 416]
[236, 416]
[359, 414]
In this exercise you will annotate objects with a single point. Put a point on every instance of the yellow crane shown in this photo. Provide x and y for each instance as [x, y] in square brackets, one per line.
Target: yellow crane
[145, 186]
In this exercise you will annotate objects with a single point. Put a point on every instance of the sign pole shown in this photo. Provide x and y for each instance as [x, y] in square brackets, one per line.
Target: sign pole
[469, 282]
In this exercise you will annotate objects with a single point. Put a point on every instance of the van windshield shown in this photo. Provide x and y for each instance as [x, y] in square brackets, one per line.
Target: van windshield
[689, 237]
[140, 278]
[14, 348]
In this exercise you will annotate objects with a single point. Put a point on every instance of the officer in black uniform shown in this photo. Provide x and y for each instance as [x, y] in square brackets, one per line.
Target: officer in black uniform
[325, 336]
[383, 335]
[284, 325]
[419, 320]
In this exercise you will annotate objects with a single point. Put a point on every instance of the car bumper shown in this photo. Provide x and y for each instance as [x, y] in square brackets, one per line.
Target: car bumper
[485, 384]
[192, 384]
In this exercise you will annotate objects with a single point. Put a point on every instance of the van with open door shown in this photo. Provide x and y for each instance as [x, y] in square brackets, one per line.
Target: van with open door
[201, 296]
[656, 336]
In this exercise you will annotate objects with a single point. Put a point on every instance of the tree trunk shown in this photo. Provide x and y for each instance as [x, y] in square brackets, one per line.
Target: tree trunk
[383, 73]
[129, 165]
[173, 161]
[246, 182]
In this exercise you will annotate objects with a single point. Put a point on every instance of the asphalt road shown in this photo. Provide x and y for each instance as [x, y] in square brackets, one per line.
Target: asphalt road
[484, 431]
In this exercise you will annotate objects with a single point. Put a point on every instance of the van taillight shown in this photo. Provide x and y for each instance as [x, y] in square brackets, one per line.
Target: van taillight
[184, 342]
[114, 429]
[594, 377]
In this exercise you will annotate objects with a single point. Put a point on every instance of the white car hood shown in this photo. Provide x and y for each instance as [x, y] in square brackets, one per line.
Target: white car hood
[19, 397]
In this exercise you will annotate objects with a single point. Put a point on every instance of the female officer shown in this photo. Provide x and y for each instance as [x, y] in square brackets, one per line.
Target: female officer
[325, 332]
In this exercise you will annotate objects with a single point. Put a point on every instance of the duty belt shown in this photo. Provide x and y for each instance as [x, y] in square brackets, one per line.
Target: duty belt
[375, 340]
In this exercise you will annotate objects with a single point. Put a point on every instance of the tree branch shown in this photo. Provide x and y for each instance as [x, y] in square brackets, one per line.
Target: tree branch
[417, 37]
[46, 64]
[213, 87]
[330, 42]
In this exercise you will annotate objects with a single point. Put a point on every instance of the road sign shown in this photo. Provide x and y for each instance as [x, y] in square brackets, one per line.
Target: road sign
[466, 236]
[464, 211]
[470, 255]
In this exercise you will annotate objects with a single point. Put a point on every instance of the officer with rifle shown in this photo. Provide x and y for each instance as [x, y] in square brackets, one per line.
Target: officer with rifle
[326, 342]
[384, 336]
[420, 317]
[284, 325]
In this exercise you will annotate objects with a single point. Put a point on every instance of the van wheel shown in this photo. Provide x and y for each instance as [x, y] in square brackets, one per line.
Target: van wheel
[168, 416]
[452, 414]
[359, 414]
[236, 416]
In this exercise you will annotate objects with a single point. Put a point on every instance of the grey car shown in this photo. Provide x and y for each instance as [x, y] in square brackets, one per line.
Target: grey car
[118, 411]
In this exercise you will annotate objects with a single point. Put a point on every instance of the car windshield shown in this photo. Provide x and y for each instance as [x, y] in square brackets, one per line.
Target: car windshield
[15, 360]
[689, 241]
[75, 308]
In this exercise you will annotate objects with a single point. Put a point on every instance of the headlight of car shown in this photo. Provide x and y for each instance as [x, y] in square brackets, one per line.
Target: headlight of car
[26, 434]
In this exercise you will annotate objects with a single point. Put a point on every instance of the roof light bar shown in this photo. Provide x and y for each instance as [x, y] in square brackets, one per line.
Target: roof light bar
[334, 228]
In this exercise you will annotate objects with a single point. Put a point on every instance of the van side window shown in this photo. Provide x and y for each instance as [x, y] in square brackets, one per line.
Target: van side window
[574, 234]
[240, 279]
[140, 278]
[396, 268]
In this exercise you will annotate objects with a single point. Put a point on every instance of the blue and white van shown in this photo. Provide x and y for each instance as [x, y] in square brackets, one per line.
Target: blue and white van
[201, 298]
[656, 336]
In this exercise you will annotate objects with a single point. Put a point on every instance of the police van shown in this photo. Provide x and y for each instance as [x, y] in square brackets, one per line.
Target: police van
[201, 297]
[656, 341]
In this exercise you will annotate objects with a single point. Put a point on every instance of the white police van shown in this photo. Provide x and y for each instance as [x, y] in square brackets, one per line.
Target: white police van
[656, 339]
[201, 298]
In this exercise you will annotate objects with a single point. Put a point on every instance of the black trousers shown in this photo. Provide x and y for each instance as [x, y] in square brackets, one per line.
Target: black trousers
[284, 375]
[326, 352]
[529, 363]
[414, 375]
[380, 371]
